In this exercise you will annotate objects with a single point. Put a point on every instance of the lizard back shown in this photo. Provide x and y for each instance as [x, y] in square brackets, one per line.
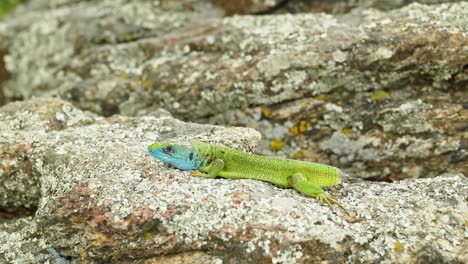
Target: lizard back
[242, 165]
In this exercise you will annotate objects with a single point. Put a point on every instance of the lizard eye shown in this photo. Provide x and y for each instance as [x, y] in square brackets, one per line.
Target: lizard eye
[167, 150]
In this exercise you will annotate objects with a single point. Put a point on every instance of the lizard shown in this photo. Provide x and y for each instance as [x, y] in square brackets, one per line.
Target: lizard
[211, 161]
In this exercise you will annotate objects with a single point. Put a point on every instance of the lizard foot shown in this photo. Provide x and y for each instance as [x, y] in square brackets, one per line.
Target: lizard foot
[330, 200]
[198, 173]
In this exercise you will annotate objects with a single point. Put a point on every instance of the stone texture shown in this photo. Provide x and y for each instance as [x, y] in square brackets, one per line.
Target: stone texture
[101, 197]
[266, 60]
[196, 68]
[381, 95]
[209, 7]
[344, 6]
[27, 125]
[367, 91]
[248, 6]
[378, 138]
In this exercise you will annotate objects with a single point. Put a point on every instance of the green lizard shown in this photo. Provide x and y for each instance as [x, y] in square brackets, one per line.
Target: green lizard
[210, 161]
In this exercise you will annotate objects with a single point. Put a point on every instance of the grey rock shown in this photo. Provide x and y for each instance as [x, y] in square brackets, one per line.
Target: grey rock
[344, 6]
[382, 95]
[101, 197]
[196, 65]
[392, 83]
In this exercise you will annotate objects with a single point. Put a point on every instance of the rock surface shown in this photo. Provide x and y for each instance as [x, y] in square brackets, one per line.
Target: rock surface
[365, 91]
[101, 197]
[194, 68]
[382, 95]
[343, 6]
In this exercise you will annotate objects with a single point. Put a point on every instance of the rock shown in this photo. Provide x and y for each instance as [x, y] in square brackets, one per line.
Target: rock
[354, 75]
[4, 75]
[379, 139]
[100, 197]
[344, 6]
[248, 6]
[197, 66]
[47, 132]
[380, 95]
[208, 7]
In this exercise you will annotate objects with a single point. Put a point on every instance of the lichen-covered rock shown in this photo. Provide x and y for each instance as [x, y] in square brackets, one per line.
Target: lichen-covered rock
[101, 198]
[344, 6]
[196, 67]
[42, 42]
[208, 7]
[247, 6]
[382, 95]
[4, 75]
[378, 138]
[30, 121]
[26, 127]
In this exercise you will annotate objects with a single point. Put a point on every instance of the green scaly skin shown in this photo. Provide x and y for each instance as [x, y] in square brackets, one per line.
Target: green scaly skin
[210, 161]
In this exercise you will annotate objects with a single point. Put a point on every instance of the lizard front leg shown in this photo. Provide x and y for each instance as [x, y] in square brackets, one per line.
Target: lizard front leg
[299, 182]
[213, 169]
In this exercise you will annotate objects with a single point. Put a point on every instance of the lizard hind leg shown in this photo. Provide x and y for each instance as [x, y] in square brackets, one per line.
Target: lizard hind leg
[299, 183]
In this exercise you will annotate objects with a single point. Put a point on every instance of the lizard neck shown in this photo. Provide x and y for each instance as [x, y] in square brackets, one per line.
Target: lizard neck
[205, 153]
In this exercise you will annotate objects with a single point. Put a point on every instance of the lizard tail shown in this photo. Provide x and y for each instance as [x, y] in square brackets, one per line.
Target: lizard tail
[343, 176]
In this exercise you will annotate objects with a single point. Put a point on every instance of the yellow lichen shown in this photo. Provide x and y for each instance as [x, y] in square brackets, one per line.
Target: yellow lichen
[123, 76]
[398, 246]
[294, 130]
[276, 145]
[181, 90]
[379, 95]
[148, 235]
[324, 97]
[128, 36]
[266, 111]
[346, 131]
[298, 155]
[147, 84]
[303, 126]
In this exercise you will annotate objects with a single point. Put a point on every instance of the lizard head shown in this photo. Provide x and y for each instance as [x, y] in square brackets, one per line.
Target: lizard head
[180, 155]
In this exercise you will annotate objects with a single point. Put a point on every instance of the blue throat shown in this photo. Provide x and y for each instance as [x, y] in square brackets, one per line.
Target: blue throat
[183, 159]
